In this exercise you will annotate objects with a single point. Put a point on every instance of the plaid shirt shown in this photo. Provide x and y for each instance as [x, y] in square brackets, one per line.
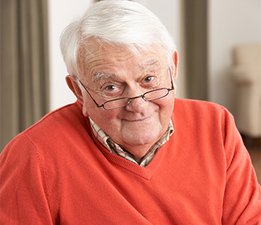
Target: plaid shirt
[116, 149]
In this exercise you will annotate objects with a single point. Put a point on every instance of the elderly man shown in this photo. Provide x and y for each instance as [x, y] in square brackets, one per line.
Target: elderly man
[123, 154]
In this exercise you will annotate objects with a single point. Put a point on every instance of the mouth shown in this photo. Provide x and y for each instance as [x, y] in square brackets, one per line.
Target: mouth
[132, 120]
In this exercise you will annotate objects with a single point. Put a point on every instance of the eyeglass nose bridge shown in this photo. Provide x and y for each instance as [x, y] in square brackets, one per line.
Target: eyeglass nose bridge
[132, 98]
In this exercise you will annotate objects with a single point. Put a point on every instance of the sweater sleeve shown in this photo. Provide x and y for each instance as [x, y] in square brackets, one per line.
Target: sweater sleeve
[242, 200]
[23, 198]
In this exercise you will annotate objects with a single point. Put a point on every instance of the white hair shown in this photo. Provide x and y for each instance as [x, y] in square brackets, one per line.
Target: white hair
[116, 22]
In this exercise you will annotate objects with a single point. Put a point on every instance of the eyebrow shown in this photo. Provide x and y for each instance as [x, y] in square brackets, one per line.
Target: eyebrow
[103, 75]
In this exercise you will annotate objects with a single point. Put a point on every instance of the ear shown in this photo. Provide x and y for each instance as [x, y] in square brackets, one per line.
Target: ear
[73, 85]
[175, 59]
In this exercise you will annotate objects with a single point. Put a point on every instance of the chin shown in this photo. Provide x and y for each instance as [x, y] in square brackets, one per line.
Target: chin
[138, 139]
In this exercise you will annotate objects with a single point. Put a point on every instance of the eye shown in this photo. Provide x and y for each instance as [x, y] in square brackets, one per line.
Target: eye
[149, 79]
[111, 90]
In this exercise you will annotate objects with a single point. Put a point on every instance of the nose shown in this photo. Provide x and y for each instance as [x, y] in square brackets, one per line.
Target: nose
[136, 104]
[136, 97]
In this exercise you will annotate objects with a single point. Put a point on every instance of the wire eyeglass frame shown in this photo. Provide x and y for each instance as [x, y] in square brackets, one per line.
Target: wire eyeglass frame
[124, 101]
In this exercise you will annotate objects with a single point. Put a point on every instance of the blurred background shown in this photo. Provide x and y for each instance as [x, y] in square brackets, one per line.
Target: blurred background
[218, 42]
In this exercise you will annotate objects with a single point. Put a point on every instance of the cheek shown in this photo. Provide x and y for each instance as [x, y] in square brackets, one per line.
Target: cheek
[98, 114]
[106, 119]
[102, 116]
[166, 111]
[166, 106]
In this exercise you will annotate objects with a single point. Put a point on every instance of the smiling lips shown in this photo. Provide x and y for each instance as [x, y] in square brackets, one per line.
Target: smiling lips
[137, 119]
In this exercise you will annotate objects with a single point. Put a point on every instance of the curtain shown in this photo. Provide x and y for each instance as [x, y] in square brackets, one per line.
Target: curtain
[195, 29]
[24, 82]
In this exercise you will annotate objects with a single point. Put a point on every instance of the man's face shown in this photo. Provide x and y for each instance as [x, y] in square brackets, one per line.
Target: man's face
[113, 72]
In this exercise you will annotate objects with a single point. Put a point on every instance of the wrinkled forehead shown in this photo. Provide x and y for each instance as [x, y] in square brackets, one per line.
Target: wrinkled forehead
[98, 53]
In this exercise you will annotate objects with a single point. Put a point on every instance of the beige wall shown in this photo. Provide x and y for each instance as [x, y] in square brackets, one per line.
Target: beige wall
[230, 23]
[61, 13]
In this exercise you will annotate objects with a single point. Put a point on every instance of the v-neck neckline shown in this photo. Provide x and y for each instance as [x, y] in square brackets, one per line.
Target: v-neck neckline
[143, 172]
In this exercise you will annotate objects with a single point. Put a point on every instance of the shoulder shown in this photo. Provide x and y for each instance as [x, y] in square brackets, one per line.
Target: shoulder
[197, 105]
[200, 110]
[62, 116]
[57, 123]
[211, 121]
[50, 131]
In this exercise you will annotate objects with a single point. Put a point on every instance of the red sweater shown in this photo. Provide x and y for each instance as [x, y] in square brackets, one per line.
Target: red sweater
[56, 173]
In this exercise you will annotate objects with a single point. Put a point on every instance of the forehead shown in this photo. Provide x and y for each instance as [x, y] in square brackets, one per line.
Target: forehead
[104, 56]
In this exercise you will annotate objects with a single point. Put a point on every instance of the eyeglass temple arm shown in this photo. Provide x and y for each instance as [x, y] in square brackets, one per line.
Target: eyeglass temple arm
[90, 94]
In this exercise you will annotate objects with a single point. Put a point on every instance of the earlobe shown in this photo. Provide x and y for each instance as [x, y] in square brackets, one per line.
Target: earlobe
[72, 84]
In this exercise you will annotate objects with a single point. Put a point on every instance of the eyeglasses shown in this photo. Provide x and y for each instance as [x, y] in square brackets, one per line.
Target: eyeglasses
[124, 101]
